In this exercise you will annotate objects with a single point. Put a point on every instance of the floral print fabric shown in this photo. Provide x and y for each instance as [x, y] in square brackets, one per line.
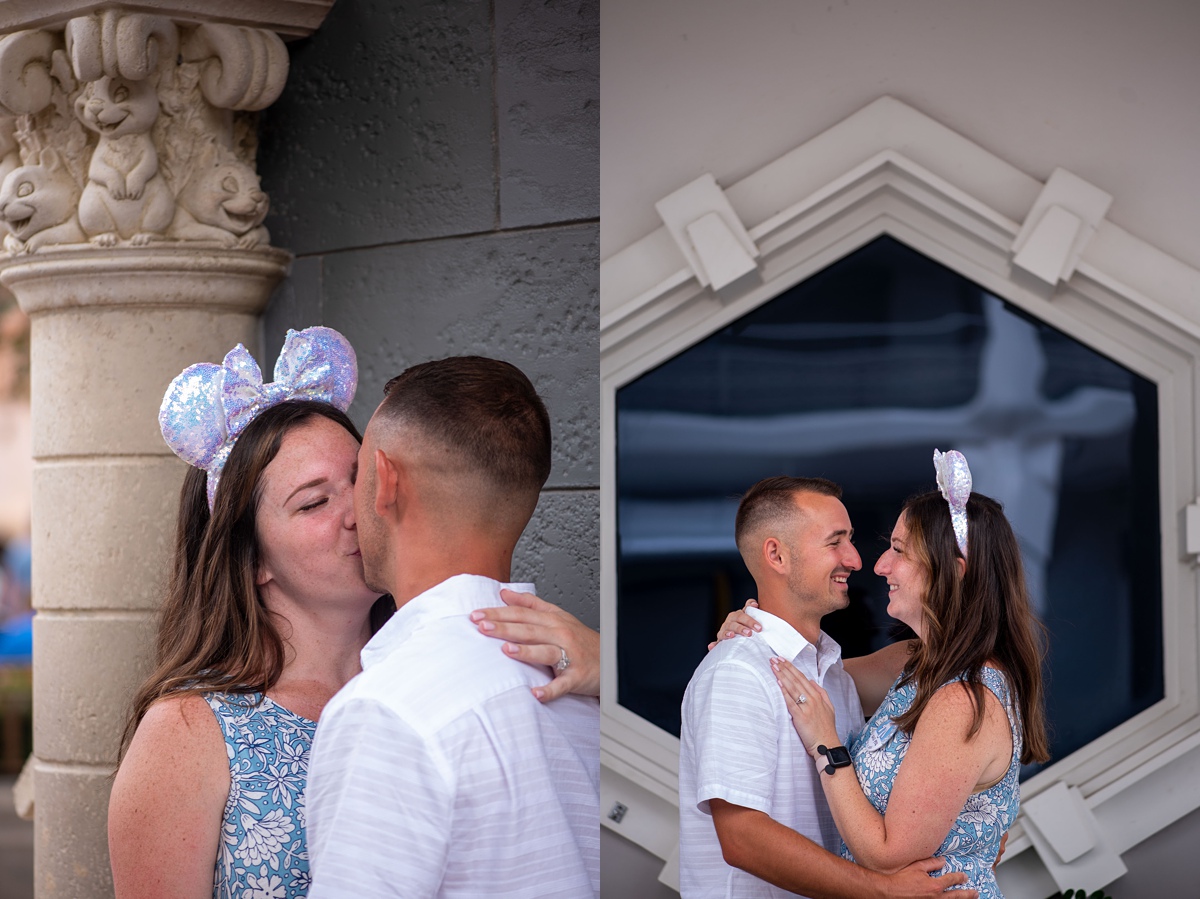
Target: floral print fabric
[974, 837]
[263, 852]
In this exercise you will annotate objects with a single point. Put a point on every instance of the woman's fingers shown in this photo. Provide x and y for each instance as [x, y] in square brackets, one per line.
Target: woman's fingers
[738, 624]
[517, 599]
[569, 681]
[520, 632]
[540, 633]
[808, 704]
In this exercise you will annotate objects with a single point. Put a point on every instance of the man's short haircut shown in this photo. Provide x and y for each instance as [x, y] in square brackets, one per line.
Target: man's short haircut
[484, 409]
[771, 502]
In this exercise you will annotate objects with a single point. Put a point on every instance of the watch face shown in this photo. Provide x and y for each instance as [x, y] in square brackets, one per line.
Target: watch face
[839, 756]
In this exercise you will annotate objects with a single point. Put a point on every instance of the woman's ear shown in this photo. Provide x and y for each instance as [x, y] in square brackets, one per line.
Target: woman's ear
[262, 573]
[962, 566]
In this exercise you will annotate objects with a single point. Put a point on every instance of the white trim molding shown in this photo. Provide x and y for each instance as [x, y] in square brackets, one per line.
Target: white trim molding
[1046, 248]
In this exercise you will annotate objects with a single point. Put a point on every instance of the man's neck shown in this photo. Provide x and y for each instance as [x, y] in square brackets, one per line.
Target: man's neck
[417, 572]
[783, 605]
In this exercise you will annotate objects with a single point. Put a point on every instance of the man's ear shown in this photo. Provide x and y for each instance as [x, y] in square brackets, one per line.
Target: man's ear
[774, 553]
[387, 483]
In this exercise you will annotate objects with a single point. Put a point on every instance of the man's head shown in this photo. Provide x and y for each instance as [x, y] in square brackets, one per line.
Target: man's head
[464, 440]
[795, 537]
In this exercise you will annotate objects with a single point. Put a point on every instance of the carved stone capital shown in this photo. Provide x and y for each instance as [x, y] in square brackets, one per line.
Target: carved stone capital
[288, 18]
[151, 277]
[130, 126]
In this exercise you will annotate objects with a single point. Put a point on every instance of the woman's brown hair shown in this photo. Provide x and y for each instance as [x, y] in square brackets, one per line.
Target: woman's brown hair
[214, 634]
[982, 615]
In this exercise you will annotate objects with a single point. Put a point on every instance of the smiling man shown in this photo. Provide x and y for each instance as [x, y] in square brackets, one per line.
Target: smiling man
[753, 817]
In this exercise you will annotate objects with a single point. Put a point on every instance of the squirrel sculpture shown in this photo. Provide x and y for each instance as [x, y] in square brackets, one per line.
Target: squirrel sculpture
[126, 197]
[37, 204]
[221, 201]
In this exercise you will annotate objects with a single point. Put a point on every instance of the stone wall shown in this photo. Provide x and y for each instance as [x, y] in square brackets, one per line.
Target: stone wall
[434, 167]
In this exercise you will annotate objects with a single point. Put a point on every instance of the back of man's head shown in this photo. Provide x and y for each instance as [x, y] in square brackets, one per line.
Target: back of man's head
[479, 421]
[769, 508]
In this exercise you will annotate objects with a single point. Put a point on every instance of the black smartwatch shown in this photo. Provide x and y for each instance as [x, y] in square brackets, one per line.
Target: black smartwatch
[839, 757]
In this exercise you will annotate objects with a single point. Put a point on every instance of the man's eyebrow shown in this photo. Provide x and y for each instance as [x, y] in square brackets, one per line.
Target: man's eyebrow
[842, 533]
[312, 483]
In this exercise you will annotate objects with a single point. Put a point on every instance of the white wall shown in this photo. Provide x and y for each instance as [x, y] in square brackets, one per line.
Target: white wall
[1104, 88]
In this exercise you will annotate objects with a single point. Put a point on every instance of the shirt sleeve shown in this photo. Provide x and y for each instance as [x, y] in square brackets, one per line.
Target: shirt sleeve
[735, 737]
[378, 806]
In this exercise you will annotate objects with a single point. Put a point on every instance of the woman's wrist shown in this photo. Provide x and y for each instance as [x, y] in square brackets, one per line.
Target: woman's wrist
[825, 741]
[829, 757]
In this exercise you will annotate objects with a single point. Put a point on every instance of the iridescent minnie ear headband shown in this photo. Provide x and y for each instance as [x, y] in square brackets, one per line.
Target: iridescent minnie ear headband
[207, 406]
[954, 480]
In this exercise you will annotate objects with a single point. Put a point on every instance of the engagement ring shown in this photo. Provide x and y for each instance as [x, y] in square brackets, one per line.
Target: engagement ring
[801, 699]
[562, 664]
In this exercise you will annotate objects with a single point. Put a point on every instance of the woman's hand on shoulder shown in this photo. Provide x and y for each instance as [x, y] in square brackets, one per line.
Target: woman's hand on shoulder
[737, 623]
[540, 633]
[167, 804]
[812, 712]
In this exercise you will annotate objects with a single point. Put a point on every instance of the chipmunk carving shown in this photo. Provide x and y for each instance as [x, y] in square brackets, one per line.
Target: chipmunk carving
[37, 204]
[126, 197]
[221, 201]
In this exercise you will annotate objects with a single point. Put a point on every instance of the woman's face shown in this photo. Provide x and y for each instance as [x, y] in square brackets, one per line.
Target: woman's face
[907, 579]
[305, 521]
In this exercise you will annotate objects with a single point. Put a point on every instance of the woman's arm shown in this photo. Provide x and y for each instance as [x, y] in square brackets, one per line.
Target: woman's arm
[940, 770]
[539, 632]
[167, 804]
[874, 674]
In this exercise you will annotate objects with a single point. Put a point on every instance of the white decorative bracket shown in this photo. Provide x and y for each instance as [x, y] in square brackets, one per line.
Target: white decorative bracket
[709, 233]
[1067, 837]
[1191, 529]
[669, 875]
[1062, 221]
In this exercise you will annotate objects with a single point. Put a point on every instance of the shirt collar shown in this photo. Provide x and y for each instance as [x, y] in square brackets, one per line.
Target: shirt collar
[455, 596]
[788, 643]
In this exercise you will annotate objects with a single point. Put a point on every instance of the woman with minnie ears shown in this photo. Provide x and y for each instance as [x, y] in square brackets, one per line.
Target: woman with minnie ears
[265, 616]
[937, 765]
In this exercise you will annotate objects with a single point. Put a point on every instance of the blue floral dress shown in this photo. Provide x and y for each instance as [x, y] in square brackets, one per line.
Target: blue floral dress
[263, 852]
[974, 837]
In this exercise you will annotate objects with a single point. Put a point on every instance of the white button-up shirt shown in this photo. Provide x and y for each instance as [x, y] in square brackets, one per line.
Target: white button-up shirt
[738, 744]
[436, 772]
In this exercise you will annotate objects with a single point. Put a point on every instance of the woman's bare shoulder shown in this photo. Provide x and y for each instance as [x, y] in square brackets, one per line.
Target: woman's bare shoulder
[178, 731]
[165, 810]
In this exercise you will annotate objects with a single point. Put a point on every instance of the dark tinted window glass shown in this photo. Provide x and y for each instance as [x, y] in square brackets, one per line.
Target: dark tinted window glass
[856, 375]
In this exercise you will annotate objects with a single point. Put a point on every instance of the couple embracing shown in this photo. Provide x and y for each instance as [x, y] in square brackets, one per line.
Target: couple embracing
[783, 789]
[328, 716]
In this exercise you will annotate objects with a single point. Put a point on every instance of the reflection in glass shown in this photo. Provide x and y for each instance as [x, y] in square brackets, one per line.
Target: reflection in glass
[856, 375]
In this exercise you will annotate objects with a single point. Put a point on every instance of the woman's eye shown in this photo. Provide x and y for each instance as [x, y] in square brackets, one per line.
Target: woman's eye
[313, 505]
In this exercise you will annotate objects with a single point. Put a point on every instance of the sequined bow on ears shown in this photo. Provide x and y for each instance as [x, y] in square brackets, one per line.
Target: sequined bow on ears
[954, 481]
[207, 406]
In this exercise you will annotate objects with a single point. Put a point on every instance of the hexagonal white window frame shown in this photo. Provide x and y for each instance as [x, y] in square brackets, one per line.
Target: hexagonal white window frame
[1046, 248]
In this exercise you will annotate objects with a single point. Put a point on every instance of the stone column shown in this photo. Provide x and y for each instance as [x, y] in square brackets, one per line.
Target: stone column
[133, 238]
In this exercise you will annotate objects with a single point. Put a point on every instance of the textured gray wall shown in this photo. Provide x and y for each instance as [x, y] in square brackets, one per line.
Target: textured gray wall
[434, 166]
